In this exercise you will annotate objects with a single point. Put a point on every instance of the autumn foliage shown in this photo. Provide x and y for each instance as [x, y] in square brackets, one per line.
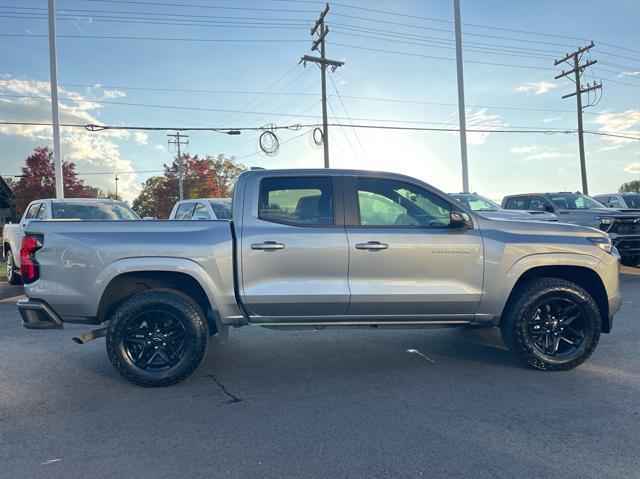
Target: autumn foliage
[208, 177]
[38, 179]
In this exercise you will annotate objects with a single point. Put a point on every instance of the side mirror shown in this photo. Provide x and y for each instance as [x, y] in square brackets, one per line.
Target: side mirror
[460, 220]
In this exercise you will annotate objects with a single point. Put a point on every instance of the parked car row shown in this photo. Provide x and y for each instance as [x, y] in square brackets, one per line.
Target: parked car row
[622, 224]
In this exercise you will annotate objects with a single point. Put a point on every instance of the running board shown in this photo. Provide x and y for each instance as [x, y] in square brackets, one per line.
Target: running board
[362, 324]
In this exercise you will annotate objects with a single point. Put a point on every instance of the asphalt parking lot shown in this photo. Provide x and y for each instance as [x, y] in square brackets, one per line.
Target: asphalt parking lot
[322, 404]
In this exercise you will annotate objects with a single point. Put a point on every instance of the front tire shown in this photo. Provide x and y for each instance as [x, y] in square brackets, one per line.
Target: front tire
[552, 324]
[157, 338]
[630, 260]
[12, 274]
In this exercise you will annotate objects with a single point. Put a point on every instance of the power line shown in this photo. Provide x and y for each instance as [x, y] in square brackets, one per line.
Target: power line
[297, 126]
[191, 5]
[280, 93]
[168, 39]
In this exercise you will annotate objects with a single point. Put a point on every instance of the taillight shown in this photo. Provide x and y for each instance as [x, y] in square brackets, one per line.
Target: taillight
[29, 268]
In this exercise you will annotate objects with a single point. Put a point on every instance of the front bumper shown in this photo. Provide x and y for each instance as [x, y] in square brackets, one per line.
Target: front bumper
[38, 315]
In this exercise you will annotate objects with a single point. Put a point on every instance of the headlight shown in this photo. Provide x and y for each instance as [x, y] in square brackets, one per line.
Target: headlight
[602, 242]
[605, 223]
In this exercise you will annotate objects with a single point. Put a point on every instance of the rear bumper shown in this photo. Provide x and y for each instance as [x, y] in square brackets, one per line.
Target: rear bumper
[38, 315]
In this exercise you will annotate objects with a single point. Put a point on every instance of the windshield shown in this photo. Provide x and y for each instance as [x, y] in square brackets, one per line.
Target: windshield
[91, 211]
[575, 201]
[222, 209]
[477, 202]
[633, 201]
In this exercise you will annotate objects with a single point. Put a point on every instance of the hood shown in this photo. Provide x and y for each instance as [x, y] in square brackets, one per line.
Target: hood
[518, 215]
[538, 228]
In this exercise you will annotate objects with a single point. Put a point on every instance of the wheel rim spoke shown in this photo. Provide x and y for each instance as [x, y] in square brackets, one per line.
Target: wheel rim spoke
[155, 340]
[556, 328]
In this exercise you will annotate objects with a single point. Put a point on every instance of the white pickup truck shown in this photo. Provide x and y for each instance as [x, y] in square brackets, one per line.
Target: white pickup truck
[63, 209]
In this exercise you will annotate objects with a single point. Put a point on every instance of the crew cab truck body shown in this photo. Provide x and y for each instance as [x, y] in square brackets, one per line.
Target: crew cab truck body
[46, 209]
[316, 249]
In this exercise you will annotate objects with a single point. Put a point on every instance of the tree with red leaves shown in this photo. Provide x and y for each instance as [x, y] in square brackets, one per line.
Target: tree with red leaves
[208, 177]
[38, 179]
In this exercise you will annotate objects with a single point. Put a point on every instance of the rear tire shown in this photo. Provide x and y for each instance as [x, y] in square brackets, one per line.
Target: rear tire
[552, 324]
[157, 338]
[12, 274]
[630, 260]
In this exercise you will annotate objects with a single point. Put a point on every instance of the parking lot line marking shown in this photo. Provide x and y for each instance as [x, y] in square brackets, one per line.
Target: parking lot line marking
[50, 461]
[11, 299]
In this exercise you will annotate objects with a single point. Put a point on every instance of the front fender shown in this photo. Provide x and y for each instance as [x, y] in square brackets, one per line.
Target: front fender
[500, 283]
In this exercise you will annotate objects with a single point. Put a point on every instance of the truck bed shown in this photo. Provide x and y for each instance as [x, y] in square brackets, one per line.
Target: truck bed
[79, 258]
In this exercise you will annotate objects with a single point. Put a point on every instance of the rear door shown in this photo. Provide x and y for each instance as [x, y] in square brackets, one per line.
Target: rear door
[294, 253]
[406, 262]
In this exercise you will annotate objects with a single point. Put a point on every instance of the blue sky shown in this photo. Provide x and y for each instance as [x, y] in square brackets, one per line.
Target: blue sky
[98, 73]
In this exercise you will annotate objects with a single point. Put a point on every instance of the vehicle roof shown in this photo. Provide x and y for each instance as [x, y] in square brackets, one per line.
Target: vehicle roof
[79, 200]
[205, 199]
[546, 193]
[332, 171]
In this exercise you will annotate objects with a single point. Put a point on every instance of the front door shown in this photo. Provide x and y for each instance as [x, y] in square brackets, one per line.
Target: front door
[406, 260]
[294, 249]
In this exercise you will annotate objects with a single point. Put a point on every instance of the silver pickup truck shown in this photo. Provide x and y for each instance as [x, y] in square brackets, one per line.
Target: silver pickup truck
[316, 249]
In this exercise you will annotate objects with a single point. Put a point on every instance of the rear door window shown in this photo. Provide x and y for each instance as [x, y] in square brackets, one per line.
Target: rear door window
[615, 202]
[32, 212]
[302, 201]
[518, 203]
[538, 203]
[200, 212]
[184, 211]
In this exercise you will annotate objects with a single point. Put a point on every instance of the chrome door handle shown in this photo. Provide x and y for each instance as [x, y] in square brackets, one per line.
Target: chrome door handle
[267, 246]
[372, 245]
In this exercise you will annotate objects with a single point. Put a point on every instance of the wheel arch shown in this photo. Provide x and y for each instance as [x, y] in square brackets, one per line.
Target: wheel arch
[585, 277]
[125, 285]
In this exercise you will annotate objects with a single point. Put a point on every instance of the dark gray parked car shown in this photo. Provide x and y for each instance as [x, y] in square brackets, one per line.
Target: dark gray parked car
[575, 208]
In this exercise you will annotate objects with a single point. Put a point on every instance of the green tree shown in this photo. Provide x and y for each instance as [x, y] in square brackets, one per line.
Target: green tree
[151, 201]
[630, 187]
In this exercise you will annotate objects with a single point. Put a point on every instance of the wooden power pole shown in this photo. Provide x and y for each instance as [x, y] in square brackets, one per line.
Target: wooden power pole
[573, 59]
[319, 44]
[176, 141]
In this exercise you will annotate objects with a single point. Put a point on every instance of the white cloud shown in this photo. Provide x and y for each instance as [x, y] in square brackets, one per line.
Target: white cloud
[551, 119]
[547, 155]
[625, 123]
[113, 94]
[525, 149]
[629, 74]
[141, 138]
[481, 120]
[159, 147]
[633, 168]
[92, 152]
[537, 87]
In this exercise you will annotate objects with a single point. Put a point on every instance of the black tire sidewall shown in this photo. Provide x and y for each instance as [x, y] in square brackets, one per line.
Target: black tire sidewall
[12, 275]
[630, 260]
[525, 338]
[514, 328]
[188, 315]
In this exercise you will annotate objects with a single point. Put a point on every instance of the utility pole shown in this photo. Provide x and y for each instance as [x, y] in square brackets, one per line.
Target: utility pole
[176, 141]
[573, 59]
[461, 109]
[53, 67]
[323, 62]
[117, 179]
